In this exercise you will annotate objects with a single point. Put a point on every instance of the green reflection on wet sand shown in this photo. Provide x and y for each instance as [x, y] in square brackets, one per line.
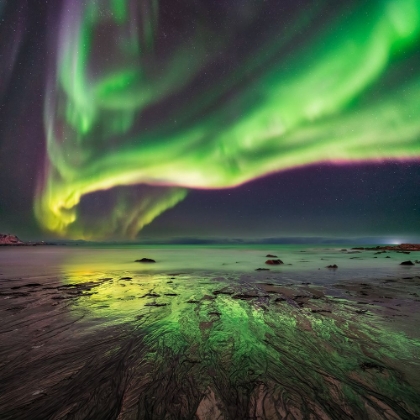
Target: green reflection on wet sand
[257, 349]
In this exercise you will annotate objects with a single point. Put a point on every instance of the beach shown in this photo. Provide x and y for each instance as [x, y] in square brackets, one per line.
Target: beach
[88, 333]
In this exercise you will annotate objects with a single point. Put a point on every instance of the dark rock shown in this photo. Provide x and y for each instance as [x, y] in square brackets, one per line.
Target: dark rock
[320, 311]
[332, 266]
[262, 269]
[146, 260]
[222, 292]
[271, 256]
[16, 308]
[371, 365]
[243, 296]
[387, 256]
[407, 263]
[126, 278]
[274, 262]
[156, 304]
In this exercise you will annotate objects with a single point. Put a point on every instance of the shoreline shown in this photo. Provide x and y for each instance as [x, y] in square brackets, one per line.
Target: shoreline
[215, 345]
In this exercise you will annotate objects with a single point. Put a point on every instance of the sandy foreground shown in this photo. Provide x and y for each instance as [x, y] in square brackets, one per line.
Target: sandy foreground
[209, 346]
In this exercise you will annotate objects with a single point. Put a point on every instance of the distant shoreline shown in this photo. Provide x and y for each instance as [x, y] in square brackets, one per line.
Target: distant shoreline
[399, 248]
[31, 244]
[12, 240]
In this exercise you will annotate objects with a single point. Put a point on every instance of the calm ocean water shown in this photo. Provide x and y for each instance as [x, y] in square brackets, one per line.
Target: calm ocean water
[300, 262]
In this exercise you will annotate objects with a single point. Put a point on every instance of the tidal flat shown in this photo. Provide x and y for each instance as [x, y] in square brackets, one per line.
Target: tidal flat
[200, 334]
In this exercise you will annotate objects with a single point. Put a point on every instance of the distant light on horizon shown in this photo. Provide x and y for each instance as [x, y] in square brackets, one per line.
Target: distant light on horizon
[403, 240]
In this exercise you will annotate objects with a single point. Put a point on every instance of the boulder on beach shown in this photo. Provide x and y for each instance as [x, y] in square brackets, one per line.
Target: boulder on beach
[274, 262]
[407, 263]
[332, 266]
[146, 260]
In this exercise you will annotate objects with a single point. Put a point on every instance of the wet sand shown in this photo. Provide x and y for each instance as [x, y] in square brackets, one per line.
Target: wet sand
[207, 345]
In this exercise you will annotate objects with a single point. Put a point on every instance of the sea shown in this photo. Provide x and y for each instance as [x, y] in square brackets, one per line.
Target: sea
[300, 262]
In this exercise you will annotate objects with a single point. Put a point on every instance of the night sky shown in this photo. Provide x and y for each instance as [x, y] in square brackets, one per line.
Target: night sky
[127, 119]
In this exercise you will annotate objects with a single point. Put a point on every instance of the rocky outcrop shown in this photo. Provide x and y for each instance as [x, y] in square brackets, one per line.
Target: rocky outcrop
[407, 263]
[274, 262]
[401, 247]
[7, 239]
[146, 260]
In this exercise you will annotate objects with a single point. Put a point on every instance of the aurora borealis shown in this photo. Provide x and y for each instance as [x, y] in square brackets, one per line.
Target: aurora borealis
[193, 199]
[149, 100]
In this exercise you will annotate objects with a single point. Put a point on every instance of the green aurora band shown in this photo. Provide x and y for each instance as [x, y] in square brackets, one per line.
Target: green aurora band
[123, 108]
